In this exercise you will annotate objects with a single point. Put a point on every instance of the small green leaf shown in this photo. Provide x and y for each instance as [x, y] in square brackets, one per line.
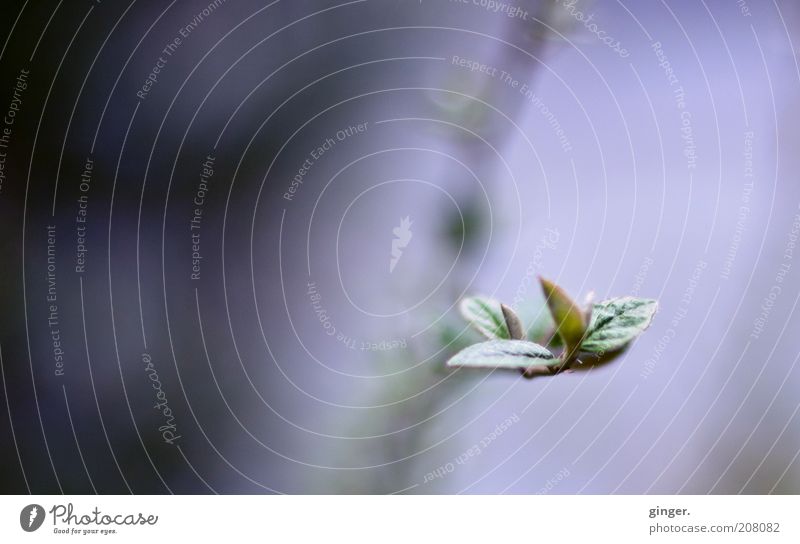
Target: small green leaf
[515, 329]
[503, 354]
[486, 316]
[566, 314]
[616, 322]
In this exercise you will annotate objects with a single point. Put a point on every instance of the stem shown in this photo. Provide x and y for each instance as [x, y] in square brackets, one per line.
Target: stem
[567, 358]
[538, 370]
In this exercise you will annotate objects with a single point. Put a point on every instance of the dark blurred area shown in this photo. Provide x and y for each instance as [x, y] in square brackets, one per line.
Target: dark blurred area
[235, 235]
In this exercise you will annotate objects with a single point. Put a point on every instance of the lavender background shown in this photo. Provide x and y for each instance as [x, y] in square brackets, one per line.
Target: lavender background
[586, 182]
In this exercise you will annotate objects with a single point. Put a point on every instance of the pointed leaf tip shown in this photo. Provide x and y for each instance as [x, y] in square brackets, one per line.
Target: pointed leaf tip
[515, 329]
[567, 315]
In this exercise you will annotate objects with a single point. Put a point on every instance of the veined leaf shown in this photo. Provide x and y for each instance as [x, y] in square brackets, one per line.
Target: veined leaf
[503, 354]
[567, 315]
[486, 316]
[616, 322]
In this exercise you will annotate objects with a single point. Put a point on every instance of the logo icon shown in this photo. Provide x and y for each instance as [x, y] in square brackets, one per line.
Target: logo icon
[31, 517]
[402, 236]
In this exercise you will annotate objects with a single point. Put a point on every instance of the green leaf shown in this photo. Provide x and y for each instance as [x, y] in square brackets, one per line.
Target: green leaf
[503, 354]
[567, 315]
[616, 322]
[486, 316]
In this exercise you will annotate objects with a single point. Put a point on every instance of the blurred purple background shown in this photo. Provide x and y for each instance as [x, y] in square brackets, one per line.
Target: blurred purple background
[649, 149]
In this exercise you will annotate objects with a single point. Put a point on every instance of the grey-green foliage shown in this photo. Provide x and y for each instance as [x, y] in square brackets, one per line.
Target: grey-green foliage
[616, 322]
[507, 354]
[604, 330]
[486, 316]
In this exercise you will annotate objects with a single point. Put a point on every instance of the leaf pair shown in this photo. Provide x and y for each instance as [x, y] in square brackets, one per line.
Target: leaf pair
[600, 329]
